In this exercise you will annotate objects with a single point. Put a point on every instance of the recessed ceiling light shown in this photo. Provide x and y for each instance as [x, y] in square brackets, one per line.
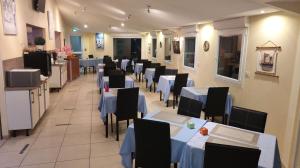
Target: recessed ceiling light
[122, 24]
[262, 11]
[85, 26]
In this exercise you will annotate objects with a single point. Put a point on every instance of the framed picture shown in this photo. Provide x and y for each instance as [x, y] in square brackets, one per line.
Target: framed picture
[9, 17]
[100, 40]
[176, 47]
[267, 61]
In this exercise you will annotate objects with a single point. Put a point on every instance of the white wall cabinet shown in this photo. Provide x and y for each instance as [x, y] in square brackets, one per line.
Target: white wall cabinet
[59, 75]
[25, 106]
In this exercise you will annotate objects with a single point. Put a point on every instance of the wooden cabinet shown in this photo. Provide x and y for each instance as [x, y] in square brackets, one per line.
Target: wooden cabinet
[25, 106]
[73, 68]
[59, 75]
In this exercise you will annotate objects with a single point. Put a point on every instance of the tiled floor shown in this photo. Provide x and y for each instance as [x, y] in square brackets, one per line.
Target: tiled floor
[71, 134]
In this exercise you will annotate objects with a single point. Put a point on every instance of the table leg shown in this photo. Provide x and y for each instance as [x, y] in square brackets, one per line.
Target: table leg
[106, 126]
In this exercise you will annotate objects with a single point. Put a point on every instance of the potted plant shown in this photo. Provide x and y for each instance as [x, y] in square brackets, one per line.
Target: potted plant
[39, 43]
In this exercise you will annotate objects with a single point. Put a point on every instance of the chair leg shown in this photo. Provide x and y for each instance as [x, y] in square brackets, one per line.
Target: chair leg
[167, 103]
[154, 88]
[127, 123]
[175, 165]
[174, 101]
[111, 122]
[117, 129]
[160, 94]
[106, 126]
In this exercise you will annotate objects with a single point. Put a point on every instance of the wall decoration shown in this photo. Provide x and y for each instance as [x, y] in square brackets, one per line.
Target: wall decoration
[176, 47]
[160, 44]
[9, 17]
[50, 25]
[206, 46]
[267, 59]
[149, 48]
[100, 40]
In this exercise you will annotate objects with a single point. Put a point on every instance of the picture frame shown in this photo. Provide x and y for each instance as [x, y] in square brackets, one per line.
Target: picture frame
[176, 47]
[267, 59]
[99, 40]
[9, 17]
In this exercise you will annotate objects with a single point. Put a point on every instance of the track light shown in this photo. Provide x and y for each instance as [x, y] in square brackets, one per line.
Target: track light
[148, 8]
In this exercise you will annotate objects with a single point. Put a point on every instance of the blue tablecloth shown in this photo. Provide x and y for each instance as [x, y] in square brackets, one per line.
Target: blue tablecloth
[178, 141]
[166, 82]
[193, 154]
[138, 68]
[108, 103]
[101, 66]
[90, 62]
[124, 64]
[200, 94]
[129, 82]
[149, 75]
[100, 74]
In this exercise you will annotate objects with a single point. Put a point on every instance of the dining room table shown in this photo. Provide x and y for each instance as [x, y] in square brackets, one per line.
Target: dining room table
[138, 69]
[179, 131]
[92, 62]
[148, 76]
[100, 75]
[200, 94]
[108, 103]
[129, 82]
[124, 64]
[166, 82]
[193, 153]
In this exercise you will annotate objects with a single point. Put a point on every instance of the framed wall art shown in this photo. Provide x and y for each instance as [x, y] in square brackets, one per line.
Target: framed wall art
[9, 17]
[176, 47]
[267, 59]
[100, 40]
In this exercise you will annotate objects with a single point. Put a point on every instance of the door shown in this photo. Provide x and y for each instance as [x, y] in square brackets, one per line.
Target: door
[34, 105]
[76, 45]
[154, 47]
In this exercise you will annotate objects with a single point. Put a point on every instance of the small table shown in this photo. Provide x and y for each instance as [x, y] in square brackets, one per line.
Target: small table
[129, 82]
[85, 63]
[193, 154]
[101, 66]
[100, 75]
[149, 75]
[179, 138]
[200, 94]
[138, 69]
[166, 82]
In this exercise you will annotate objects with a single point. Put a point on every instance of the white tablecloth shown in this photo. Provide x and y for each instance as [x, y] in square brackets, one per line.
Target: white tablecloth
[124, 64]
[166, 82]
[138, 68]
[129, 82]
[149, 75]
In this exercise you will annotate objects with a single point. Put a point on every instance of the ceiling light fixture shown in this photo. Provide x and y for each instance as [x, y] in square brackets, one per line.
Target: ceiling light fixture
[85, 26]
[122, 24]
[148, 8]
[129, 16]
[262, 11]
[83, 9]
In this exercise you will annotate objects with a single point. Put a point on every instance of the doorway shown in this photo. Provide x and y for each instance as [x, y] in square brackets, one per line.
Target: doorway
[129, 48]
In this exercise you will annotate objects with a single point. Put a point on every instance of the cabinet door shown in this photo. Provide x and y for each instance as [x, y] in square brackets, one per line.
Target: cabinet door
[41, 100]
[47, 95]
[34, 101]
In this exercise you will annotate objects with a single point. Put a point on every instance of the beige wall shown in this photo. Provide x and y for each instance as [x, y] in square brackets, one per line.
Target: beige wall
[11, 46]
[264, 93]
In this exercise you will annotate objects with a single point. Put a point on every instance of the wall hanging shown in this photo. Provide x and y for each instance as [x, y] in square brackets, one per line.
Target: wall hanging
[267, 59]
[100, 40]
[206, 46]
[176, 47]
[9, 17]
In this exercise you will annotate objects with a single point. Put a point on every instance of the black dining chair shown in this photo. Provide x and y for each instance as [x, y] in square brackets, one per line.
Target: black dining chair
[171, 72]
[129, 66]
[146, 65]
[154, 65]
[117, 79]
[109, 66]
[106, 59]
[219, 155]
[179, 83]
[215, 103]
[248, 119]
[160, 70]
[152, 144]
[189, 107]
[127, 106]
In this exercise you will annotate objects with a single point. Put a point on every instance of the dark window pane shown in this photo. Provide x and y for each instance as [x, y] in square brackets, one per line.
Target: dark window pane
[76, 43]
[189, 51]
[229, 56]
[168, 49]
[154, 45]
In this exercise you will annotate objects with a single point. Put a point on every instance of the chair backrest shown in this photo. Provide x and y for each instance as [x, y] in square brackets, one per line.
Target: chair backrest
[218, 155]
[160, 70]
[216, 101]
[116, 79]
[91, 56]
[189, 107]
[153, 144]
[110, 66]
[127, 103]
[154, 65]
[180, 82]
[248, 119]
[146, 65]
[171, 72]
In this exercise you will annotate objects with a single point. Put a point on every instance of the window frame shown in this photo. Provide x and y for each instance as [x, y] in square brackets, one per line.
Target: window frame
[168, 37]
[154, 58]
[196, 43]
[227, 33]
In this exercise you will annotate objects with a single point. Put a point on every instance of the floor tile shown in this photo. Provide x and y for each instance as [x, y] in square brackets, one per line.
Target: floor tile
[46, 165]
[79, 128]
[11, 159]
[104, 149]
[83, 163]
[106, 162]
[41, 156]
[74, 152]
[77, 139]
[48, 142]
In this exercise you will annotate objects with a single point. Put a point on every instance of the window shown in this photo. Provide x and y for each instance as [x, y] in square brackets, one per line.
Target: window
[229, 56]
[189, 51]
[76, 45]
[168, 49]
[127, 48]
[154, 45]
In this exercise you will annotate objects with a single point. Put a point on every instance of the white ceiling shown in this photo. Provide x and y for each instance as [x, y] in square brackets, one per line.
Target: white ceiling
[99, 15]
